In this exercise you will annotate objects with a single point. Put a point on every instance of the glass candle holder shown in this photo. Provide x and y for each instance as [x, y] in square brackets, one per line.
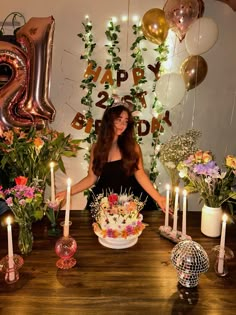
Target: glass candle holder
[221, 263]
[11, 270]
[65, 248]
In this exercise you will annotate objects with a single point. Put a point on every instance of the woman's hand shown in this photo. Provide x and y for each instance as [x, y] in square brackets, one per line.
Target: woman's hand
[162, 204]
[61, 196]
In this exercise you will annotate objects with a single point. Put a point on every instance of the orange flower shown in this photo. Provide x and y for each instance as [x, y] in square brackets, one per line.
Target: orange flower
[21, 180]
[206, 156]
[38, 142]
[230, 161]
[198, 156]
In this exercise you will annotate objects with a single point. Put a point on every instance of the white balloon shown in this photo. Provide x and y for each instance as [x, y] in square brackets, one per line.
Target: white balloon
[170, 89]
[201, 36]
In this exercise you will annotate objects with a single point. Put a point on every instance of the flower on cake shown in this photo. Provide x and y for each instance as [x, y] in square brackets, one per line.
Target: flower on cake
[117, 215]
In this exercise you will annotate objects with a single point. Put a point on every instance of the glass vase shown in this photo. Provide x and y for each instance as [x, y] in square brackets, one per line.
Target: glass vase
[25, 238]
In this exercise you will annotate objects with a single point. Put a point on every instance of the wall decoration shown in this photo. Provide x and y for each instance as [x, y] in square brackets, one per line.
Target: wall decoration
[24, 97]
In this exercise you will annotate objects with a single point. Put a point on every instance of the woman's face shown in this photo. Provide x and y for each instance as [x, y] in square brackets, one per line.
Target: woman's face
[121, 123]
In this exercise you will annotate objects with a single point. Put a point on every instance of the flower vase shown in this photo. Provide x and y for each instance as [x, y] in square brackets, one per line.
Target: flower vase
[54, 230]
[211, 220]
[25, 238]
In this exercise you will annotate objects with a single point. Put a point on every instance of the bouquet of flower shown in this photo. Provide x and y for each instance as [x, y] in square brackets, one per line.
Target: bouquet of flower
[29, 152]
[26, 203]
[176, 150]
[202, 174]
[117, 215]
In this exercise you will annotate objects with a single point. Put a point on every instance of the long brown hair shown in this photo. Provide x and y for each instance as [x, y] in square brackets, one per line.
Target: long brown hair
[126, 142]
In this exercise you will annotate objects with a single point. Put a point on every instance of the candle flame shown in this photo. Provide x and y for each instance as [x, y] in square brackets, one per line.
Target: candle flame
[176, 189]
[51, 164]
[224, 217]
[167, 187]
[8, 220]
[68, 181]
[185, 192]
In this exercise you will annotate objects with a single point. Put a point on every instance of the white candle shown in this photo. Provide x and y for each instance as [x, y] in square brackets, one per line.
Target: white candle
[167, 205]
[67, 214]
[176, 209]
[10, 251]
[52, 182]
[222, 245]
[184, 212]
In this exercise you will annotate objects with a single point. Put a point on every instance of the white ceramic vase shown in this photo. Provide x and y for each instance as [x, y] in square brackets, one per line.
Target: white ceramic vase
[211, 221]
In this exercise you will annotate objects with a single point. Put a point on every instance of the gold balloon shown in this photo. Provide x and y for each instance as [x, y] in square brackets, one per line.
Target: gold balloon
[154, 26]
[193, 70]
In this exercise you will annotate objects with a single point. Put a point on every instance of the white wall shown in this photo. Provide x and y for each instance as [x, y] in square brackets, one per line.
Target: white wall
[210, 107]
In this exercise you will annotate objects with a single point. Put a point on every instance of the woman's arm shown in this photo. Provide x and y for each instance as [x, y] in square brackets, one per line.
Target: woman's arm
[146, 184]
[84, 183]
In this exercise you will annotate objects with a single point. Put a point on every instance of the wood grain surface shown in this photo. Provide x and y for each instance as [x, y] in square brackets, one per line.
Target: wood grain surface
[137, 280]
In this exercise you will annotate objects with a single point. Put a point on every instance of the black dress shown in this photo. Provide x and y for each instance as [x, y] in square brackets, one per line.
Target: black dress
[113, 179]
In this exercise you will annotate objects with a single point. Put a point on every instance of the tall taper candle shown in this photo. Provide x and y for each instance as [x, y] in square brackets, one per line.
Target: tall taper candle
[176, 209]
[67, 214]
[167, 205]
[10, 251]
[184, 212]
[52, 182]
[222, 245]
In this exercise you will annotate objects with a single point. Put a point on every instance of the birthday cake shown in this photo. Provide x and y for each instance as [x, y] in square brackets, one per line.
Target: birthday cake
[117, 219]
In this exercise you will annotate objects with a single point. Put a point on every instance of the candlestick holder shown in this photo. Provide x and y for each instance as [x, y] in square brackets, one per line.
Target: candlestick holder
[221, 263]
[65, 248]
[173, 236]
[11, 273]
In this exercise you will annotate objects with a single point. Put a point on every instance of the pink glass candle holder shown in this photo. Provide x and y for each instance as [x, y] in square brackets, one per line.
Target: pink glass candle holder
[221, 263]
[12, 272]
[65, 248]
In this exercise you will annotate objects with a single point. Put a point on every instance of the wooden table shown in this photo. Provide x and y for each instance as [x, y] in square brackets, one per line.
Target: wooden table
[138, 280]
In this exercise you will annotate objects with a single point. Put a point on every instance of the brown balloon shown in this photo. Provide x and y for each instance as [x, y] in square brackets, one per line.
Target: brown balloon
[194, 70]
[154, 26]
[36, 38]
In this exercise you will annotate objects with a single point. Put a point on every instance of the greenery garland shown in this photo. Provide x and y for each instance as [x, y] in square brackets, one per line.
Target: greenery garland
[87, 83]
[113, 63]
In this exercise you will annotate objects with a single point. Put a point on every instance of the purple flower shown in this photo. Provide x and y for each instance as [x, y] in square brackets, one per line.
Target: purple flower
[109, 232]
[208, 169]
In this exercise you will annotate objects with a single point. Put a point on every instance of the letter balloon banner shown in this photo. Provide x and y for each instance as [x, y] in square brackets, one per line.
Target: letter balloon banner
[24, 99]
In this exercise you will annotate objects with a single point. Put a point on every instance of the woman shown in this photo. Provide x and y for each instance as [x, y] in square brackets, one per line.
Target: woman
[116, 163]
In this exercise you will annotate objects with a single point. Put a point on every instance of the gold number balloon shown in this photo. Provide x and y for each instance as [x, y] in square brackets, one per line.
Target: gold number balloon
[194, 70]
[154, 26]
[24, 98]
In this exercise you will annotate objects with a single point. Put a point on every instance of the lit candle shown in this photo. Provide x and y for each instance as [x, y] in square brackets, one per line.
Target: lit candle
[167, 205]
[67, 214]
[10, 251]
[52, 182]
[222, 245]
[176, 209]
[184, 212]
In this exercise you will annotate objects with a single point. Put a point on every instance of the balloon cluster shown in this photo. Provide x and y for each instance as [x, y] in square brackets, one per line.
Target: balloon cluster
[185, 19]
[25, 72]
